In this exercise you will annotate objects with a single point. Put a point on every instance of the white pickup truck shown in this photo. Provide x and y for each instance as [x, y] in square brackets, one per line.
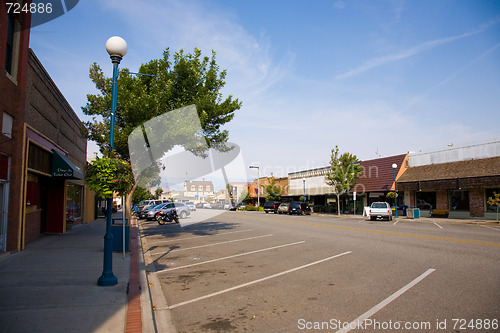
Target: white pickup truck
[380, 210]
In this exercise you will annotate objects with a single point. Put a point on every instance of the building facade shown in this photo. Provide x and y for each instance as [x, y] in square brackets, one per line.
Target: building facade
[14, 45]
[459, 180]
[198, 190]
[54, 152]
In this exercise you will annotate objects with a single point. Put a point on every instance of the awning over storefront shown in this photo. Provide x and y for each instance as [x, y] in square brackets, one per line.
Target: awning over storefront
[62, 167]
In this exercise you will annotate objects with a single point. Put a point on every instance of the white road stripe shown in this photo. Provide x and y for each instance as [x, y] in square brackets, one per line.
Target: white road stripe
[213, 244]
[490, 227]
[229, 257]
[437, 225]
[255, 281]
[396, 222]
[180, 239]
[359, 321]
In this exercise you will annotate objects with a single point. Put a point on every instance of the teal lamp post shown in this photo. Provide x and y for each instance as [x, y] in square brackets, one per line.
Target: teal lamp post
[117, 48]
[394, 167]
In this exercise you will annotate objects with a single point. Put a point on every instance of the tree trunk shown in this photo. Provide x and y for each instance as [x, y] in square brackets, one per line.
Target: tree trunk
[338, 204]
[129, 205]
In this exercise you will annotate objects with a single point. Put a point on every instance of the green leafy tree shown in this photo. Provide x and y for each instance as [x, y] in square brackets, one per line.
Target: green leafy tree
[158, 193]
[273, 191]
[344, 173]
[186, 79]
[141, 194]
[495, 201]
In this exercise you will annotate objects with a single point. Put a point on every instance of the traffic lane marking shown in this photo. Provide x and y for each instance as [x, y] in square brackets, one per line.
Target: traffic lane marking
[230, 257]
[465, 241]
[437, 225]
[256, 281]
[485, 226]
[194, 237]
[359, 321]
[177, 248]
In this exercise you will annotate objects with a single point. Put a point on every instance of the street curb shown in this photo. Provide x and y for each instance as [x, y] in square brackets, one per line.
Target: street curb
[133, 322]
[158, 306]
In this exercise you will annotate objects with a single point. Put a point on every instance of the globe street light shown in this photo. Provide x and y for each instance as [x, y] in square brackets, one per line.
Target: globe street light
[394, 166]
[258, 183]
[117, 48]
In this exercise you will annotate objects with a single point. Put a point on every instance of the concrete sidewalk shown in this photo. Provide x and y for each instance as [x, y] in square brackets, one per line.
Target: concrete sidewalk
[51, 286]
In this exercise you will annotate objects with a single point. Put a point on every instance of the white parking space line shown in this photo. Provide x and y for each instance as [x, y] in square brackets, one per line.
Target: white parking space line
[484, 226]
[214, 244]
[358, 322]
[437, 225]
[180, 239]
[229, 257]
[256, 281]
[396, 222]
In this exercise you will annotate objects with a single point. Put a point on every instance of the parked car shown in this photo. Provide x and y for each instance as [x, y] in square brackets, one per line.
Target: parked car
[240, 205]
[152, 212]
[145, 204]
[190, 205]
[283, 208]
[182, 210]
[199, 205]
[271, 206]
[142, 214]
[300, 208]
[228, 206]
[206, 205]
[380, 210]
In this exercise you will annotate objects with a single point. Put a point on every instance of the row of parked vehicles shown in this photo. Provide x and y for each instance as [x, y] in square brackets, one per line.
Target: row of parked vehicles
[294, 207]
[153, 211]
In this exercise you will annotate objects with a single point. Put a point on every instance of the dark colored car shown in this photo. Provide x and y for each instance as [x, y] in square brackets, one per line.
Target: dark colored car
[271, 206]
[182, 210]
[300, 208]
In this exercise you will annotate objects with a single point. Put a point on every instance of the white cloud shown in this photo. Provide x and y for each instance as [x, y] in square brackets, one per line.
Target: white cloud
[376, 62]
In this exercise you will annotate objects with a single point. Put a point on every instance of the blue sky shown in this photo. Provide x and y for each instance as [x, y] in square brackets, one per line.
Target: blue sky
[376, 78]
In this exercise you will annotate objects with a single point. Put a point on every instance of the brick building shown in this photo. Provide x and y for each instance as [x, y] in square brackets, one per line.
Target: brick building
[42, 152]
[14, 44]
[55, 154]
[459, 180]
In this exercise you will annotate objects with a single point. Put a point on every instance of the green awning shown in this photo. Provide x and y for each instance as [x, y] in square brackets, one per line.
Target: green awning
[62, 167]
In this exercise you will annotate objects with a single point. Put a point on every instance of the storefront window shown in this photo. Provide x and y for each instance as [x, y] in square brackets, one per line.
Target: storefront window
[459, 200]
[74, 203]
[490, 193]
[426, 200]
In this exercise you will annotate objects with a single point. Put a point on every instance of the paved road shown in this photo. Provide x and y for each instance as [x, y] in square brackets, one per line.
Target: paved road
[255, 272]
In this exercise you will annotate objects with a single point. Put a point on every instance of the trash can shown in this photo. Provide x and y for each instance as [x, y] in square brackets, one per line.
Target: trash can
[413, 213]
[117, 232]
[404, 208]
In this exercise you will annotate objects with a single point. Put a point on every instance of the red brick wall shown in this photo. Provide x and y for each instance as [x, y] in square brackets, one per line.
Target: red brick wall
[476, 202]
[442, 199]
[12, 97]
[32, 226]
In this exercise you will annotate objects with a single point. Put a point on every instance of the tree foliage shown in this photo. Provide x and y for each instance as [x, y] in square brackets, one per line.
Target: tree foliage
[141, 194]
[273, 191]
[345, 170]
[187, 79]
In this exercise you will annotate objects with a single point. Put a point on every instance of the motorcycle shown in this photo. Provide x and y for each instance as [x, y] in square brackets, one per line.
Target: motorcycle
[167, 216]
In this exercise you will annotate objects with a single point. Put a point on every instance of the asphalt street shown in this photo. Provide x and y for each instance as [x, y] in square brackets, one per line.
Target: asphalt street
[256, 272]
